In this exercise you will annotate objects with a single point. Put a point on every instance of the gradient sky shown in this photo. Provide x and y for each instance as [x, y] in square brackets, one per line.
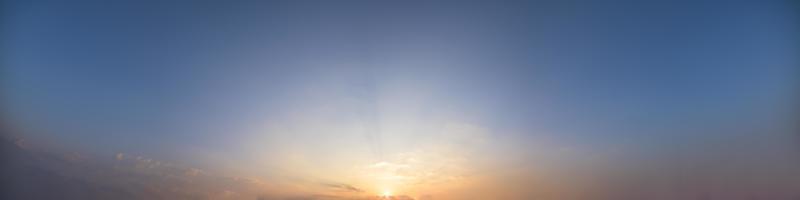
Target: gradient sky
[436, 100]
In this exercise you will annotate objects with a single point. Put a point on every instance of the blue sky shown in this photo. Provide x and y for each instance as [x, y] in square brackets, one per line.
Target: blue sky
[537, 85]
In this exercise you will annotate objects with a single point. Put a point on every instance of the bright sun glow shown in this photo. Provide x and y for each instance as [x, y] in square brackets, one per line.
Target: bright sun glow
[386, 193]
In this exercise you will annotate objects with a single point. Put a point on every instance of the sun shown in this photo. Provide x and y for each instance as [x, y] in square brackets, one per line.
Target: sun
[386, 193]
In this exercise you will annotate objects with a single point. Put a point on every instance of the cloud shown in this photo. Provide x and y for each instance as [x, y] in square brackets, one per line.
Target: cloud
[342, 186]
[27, 173]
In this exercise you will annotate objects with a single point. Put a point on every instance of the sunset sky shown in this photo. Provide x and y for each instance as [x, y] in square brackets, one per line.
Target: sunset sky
[419, 99]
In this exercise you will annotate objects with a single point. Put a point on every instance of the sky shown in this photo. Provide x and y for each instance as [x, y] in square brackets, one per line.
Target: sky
[431, 100]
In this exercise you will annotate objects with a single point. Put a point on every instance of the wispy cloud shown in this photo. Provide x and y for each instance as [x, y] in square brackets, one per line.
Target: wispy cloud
[341, 186]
